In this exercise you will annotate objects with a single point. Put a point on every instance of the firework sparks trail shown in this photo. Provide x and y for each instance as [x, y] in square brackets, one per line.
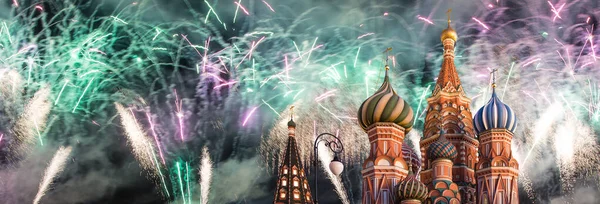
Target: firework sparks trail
[1, 136]
[425, 19]
[325, 157]
[82, 94]
[137, 139]
[249, 55]
[481, 23]
[543, 126]
[33, 120]
[213, 11]
[268, 5]
[153, 130]
[364, 35]
[325, 95]
[177, 165]
[57, 164]
[162, 177]
[205, 176]
[179, 113]
[310, 52]
[556, 12]
[242, 7]
[187, 180]
[248, 116]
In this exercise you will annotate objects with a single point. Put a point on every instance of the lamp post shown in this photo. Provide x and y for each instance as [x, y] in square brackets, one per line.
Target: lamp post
[335, 145]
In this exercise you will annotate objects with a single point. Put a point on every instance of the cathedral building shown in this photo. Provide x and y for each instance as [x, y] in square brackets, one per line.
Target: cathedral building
[464, 159]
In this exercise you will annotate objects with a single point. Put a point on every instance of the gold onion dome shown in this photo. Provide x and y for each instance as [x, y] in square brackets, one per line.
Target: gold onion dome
[449, 32]
[385, 106]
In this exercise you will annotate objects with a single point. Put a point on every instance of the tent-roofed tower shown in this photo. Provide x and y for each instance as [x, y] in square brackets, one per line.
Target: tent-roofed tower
[292, 184]
[449, 110]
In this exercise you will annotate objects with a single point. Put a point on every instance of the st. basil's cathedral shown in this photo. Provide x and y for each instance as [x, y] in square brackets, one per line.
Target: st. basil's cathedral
[464, 159]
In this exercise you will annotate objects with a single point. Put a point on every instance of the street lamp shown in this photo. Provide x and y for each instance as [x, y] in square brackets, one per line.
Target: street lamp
[335, 145]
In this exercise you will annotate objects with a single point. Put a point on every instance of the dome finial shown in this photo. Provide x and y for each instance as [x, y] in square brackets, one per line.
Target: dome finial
[493, 73]
[387, 58]
[449, 32]
[291, 123]
[448, 14]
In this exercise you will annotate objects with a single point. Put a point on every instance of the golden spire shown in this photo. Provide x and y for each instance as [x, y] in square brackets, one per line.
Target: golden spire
[449, 32]
[387, 58]
[448, 14]
[292, 112]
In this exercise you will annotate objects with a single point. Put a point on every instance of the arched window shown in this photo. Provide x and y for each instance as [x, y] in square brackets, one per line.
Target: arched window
[305, 184]
[282, 194]
[285, 170]
[296, 194]
[296, 182]
[284, 181]
[294, 170]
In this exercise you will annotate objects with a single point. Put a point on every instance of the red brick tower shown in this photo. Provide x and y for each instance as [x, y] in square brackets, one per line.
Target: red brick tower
[497, 171]
[386, 118]
[449, 110]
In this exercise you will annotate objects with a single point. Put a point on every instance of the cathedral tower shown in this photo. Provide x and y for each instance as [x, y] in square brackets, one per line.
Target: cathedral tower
[497, 169]
[386, 118]
[442, 189]
[449, 110]
[292, 184]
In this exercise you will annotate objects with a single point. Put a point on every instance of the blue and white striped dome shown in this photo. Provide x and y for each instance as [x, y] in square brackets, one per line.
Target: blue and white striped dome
[495, 114]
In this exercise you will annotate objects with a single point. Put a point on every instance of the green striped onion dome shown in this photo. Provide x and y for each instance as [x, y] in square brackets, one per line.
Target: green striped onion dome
[442, 148]
[385, 106]
[411, 188]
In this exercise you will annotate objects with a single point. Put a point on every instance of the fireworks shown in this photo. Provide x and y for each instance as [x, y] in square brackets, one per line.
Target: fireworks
[247, 72]
[205, 174]
[137, 139]
[32, 121]
[57, 164]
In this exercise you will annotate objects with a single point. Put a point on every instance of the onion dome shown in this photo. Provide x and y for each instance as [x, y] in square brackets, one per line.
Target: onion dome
[408, 154]
[291, 123]
[411, 188]
[385, 106]
[442, 149]
[449, 32]
[495, 114]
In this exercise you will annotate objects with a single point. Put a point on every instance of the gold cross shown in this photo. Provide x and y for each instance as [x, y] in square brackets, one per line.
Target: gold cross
[387, 57]
[448, 14]
[493, 73]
